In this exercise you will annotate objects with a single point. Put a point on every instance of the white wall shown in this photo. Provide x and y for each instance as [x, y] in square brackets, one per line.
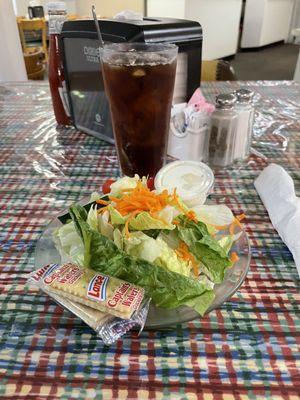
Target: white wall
[271, 24]
[295, 20]
[277, 21]
[220, 20]
[108, 8]
[12, 67]
[165, 8]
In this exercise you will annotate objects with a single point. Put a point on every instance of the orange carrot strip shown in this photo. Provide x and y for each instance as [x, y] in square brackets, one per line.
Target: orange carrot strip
[192, 215]
[234, 257]
[240, 217]
[104, 202]
[132, 215]
[183, 252]
[220, 227]
[234, 223]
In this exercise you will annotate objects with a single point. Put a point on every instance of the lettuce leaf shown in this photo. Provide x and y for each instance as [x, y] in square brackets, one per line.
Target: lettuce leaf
[142, 246]
[204, 247]
[105, 228]
[115, 217]
[118, 239]
[69, 243]
[216, 214]
[156, 251]
[92, 218]
[144, 221]
[126, 182]
[167, 289]
[226, 242]
[168, 213]
[169, 260]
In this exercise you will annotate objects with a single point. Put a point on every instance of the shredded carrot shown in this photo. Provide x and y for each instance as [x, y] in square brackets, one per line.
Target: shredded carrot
[234, 223]
[234, 257]
[192, 216]
[183, 252]
[141, 198]
[102, 210]
[241, 217]
[220, 227]
[104, 202]
[175, 222]
[131, 216]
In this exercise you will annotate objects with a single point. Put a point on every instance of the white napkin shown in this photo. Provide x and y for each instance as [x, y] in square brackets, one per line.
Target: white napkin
[276, 190]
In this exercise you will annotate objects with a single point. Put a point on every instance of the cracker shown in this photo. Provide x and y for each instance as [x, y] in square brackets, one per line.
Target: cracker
[97, 291]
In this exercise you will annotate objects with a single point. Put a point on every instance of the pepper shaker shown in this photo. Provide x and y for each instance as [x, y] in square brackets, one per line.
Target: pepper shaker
[245, 111]
[223, 131]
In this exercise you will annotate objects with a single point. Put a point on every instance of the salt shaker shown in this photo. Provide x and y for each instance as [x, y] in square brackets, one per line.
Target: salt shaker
[223, 131]
[245, 111]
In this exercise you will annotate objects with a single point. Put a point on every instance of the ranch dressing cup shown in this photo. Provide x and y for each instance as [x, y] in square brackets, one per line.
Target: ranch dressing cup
[193, 181]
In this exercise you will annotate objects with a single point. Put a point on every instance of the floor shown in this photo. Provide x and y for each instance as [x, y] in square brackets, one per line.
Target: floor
[277, 62]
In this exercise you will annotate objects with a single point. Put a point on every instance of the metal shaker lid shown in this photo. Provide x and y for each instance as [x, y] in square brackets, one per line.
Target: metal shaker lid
[226, 101]
[244, 95]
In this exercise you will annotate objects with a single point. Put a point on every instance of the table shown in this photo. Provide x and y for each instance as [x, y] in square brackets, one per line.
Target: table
[246, 349]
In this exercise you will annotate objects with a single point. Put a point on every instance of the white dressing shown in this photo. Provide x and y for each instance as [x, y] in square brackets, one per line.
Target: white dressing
[193, 181]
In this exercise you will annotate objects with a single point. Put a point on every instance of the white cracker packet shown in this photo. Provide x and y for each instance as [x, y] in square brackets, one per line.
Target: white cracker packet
[108, 327]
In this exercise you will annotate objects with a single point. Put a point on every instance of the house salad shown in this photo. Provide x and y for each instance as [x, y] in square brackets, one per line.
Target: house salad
[152, 239]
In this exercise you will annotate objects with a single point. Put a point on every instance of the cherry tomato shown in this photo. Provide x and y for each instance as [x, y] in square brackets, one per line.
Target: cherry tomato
[106, 185]
[150, 183]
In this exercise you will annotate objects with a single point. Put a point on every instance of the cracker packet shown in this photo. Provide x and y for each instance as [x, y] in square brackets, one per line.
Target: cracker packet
[111, 307]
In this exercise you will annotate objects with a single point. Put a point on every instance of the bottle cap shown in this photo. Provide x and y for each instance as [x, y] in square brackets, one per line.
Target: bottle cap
[244, 95]
[193, 181]
[226, 101]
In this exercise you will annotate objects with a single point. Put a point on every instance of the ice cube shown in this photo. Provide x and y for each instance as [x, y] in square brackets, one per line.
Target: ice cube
[139, 72]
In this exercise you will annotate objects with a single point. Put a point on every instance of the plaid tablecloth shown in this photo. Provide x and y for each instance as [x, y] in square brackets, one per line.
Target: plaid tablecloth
[249, 348]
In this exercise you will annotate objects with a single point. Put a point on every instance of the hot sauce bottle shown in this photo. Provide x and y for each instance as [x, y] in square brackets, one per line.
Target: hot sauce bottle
[57, 15]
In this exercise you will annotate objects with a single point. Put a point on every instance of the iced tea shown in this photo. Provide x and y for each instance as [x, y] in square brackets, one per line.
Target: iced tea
[139, 83]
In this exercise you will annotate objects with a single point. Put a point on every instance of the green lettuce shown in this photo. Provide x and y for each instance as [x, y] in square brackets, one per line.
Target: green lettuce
[156, 251]
[226, 242]
[167, 289]
[216, 214]
[121, 184]
[115, 217]
[105, 228]
[141, 246]
[118, 239]
[204, 247]
[144, 221]
[69, 243]
[92, 218]
[169, 260]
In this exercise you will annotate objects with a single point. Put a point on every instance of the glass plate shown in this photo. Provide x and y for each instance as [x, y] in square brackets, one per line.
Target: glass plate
[158, 318]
